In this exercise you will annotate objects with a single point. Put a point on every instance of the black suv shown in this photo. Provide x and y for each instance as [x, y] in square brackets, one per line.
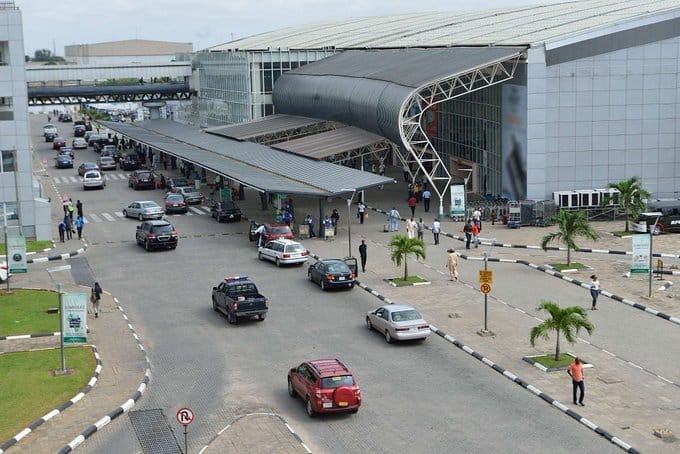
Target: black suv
[156, 234]
[130, 162]
[226, 210]
[79, 131]
[140, 179]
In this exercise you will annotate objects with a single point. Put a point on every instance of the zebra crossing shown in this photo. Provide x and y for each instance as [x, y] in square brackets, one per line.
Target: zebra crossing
[94, 218]
[70, 179]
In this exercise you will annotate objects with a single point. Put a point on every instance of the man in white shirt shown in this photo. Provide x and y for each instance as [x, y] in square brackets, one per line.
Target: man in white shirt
[361, 211]
[427, 195]
[436, 229]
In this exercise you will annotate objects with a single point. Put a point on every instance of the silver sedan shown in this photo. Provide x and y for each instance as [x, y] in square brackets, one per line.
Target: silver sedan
[143, 209]
[398, 322]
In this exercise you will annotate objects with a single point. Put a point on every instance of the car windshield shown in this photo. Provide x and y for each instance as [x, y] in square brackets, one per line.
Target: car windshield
[175, 198]
[180, 182]
[143, 175]
[92, 175]
[149, 205]
[89, 165]
[338, 267]
[337, 381]
[281, 230]
[162, 229]
[294, 248]
[404, 316]
[243, 290]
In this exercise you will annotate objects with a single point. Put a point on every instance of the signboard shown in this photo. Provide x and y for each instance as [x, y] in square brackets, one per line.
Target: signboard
[225, 193]
[457, 200]
[16, 253]
[641, 227]
[74, 317]
[641, 252]
[486, 276]
[185, 416]
[485, 288]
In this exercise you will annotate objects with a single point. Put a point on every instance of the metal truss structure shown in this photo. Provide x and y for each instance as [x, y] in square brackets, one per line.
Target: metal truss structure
[418, 148]
[378, 150]
[108, 94]
[295, 133]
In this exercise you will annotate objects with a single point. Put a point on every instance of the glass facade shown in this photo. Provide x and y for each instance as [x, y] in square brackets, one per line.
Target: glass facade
[237, 86]
[469, 128]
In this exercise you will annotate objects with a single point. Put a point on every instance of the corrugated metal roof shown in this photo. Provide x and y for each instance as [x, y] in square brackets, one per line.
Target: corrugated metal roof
[503, 26]
[267, 125]
[329, 143]
[254, 165]
[127, 47]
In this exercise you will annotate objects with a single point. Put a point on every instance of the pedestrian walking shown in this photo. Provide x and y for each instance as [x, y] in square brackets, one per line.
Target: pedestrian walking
[436, 229]
[310, 225]
[335, 218]
[79, 226]
[412, 202]
[62, 230]
[421, 229]
[68, 225]
[287, 217]
[259, 232]
[427, 195]
[394, 216]
[79, 208]
[594, 291]
[475, 234]
[361, 212]
[407, 173]
[477, 218]
[96, 298]
[70, 209]
[363, 248]
[575, 371]
[467, 230]
[411, 228]
[452, 264]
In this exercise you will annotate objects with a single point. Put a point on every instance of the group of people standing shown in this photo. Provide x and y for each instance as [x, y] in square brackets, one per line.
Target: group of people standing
[68, 226]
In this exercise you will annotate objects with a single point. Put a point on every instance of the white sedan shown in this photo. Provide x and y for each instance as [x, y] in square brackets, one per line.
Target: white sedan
[283, 252]
[79, 143]
[94, 179]
[398, 322]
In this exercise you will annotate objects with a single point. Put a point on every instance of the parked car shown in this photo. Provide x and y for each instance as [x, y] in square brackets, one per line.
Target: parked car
[226, 210]
[78, 123]
[283, 252]
[112, 151]
[49, 128]
[129, 162]
[143, 209]
[398, 322]
[172, 183]
[86, 166]
[65, 117]
[50, 136]
[106, 163]
[94, 179]
[156, 234]
[63, 161]
[89, 135]
[142, 179]
[238, 297]
[326, 386]
[68, 151]
[79, 143]
[58, 142]
[4, 272]
[79, 130]
[330, 273]
[271, 232]
[99, 143]
[191, 194]
[174, 203]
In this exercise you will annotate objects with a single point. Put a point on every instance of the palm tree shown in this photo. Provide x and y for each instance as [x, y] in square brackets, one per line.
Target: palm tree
[632, 197]
[402, 246]
[571, 225]
[568, 320]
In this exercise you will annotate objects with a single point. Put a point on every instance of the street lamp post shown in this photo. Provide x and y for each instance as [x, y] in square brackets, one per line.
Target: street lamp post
[61, 312]
[349, 217]
[651, 249]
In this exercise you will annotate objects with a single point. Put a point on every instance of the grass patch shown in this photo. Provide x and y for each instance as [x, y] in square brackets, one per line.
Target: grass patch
[25, 312]
[549, 360]
[621, 233]
[31, 246]
[29, 390]
[408, 280]
[572, 266]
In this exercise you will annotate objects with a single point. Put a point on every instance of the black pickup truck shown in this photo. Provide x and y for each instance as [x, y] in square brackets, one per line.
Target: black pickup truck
[238, 297]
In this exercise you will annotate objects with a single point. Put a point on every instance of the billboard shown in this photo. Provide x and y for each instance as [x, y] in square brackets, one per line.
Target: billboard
[641, 253]
[16, 253]
[457, 200]
[74, 317]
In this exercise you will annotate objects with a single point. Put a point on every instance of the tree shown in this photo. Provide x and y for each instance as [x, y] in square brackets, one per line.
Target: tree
[571, 225]
[632, 197]
[402, 246]
[567, 320]
[42, 55]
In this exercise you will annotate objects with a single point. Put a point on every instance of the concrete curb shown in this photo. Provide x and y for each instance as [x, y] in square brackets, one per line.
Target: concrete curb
[124, 407]
[38, 422]
[64, 256]
[42, 250]
[283, 420]
[29, 336]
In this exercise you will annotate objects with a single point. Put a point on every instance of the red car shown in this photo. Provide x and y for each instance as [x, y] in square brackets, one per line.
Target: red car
[326, 386]
[58, 142]
[271, 232]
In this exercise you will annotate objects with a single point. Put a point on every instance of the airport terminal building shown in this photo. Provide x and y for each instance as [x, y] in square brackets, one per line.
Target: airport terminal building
[524, 101]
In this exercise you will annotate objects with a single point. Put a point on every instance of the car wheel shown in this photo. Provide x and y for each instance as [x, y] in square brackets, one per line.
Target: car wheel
[260, 256]
[214, 305]
[291, 389]
[369, 325]
[230, 317]
[388, 337]
[173, 247]
[125, 213]
[141, 218]
[261, 317]
[309, 408]
[354, 410]
[323, 284]
[147, 245]
[278, 262]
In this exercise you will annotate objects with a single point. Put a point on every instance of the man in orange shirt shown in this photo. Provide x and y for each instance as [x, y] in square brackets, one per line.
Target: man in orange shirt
[575, 371]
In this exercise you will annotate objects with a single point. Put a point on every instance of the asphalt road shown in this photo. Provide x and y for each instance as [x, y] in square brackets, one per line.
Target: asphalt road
[420, 397]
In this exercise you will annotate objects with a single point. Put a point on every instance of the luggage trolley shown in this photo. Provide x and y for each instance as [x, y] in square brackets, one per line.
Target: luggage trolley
[514, 214]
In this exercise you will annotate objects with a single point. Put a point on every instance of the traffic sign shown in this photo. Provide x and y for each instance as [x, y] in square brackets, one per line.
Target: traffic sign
[486, 276]
[485, 288]
[185, 415]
